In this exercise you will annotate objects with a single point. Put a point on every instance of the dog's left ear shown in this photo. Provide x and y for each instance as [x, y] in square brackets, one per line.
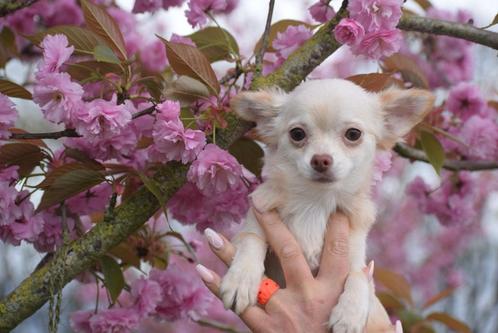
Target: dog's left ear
[261, 107]
[402, 109]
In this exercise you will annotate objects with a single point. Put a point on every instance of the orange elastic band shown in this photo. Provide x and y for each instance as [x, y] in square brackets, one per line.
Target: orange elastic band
[266, 289]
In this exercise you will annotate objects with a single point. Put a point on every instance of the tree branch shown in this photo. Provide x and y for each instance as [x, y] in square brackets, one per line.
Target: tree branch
[411, 153]
[9, 6]
[453, 29]
[266, 35]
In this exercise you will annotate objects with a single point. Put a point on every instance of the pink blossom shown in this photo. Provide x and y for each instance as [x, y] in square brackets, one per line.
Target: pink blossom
[142, 6]
[321, 11]
[379, 44]
[72, 13]
[349, 32]
[382, 164]
[480, 136]
[197, 9]
[292, 38]
[375, 15]
[171, 140]
[8, 116]
[215, 170]
[172, 3]
[80, 321]
[182, 293]
[56, 51]
[101, 118]
[58, 97]
[127, 23]
[190, 206]
[90, 201]
[147, 295]
[153, 56]
[465, 100]
[51, 235]
[181, 40]
[116, 320]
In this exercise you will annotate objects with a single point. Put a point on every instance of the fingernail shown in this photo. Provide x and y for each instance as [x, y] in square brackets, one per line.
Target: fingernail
[371, 267]
[213, 238]
[399, 327]
[256, 207]
[206, 274]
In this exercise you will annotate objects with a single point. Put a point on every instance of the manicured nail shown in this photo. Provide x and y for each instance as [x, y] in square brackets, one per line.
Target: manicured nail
[213, 238]
[206, 274]
[371, 267]
[256, 207]
[399, 327]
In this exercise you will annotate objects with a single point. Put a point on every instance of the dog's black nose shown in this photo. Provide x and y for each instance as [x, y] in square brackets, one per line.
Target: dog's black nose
[321, 162]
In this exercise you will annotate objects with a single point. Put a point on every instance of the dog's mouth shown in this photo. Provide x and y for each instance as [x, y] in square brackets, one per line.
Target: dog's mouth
[319, 178]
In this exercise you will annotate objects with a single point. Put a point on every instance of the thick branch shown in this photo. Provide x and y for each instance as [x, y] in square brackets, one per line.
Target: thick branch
[9, 6]
[411, 153]
[439, 27]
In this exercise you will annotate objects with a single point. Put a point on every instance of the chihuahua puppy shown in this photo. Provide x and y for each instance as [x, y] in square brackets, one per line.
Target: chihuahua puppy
[321, 141]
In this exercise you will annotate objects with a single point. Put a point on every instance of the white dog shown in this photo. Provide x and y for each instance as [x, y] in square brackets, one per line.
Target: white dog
[321, 141]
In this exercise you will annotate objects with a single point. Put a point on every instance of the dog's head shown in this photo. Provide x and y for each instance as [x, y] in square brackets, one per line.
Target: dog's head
[327, 131]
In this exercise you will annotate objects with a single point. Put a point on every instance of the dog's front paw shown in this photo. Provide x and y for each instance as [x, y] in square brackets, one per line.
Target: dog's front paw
[239, 287]
[350, 315]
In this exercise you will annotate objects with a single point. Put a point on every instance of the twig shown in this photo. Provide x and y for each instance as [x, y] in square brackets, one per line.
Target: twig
[453, 29]
[266, 36]
[411, 153]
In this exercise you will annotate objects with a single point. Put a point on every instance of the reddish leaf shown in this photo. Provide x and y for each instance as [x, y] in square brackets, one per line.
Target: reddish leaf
[216, 43]
[82, 157]
[126, 253]
[25, 155]
[68, 185]
[14, 90]
[53, 174]
[374, 82]
[389, 301]
[188, 60]
[409, 70]
[249, 154]
[425, 4]
[8, 47]
[99, 21]
[89, 71]
[186, 90]
[394, 282]
[83, 40]
[439, 296]
[450, 322]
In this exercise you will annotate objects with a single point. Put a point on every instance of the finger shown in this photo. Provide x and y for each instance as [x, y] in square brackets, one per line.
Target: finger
[253, 316]
[294, 265]
[334, 263]
[220, 246]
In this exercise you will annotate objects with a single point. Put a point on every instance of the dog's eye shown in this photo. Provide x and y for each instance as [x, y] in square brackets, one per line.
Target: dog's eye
[297, 134]
[353, 134]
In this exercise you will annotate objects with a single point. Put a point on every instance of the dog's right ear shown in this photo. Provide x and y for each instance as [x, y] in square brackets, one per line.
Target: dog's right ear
[261, 107]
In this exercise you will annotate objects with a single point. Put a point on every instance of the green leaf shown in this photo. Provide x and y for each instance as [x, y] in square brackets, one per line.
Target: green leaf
[374, 82]
[67, 185]
[188, 60]
[433, 149]
[187, 90]
[249, 154]
[8, 47]
[495, 21]
[154, 86]
[25, 155]
[389, 301]
[275, 28]
[12, 89]
[113, 276]
[394, 282]
[450, 322]
[89, 71]
[99, 21]
[154, 188]
[216, 43]
[409, 70]
[103, 53]
[83, 40]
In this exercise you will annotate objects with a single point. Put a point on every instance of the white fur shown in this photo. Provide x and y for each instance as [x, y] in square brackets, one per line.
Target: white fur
[305, 199]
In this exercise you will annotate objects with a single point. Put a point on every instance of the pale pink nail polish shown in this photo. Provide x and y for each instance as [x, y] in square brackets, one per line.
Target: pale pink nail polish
[205, 273]
[399, 327]
[213, 238]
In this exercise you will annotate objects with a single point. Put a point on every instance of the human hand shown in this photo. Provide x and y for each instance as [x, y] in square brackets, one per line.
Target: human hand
[306, 302]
